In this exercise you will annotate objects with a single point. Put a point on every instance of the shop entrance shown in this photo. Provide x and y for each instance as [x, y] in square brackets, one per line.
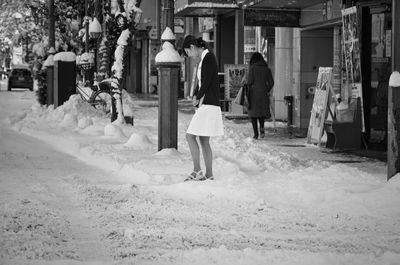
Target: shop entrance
[376, 64]
[316, 51]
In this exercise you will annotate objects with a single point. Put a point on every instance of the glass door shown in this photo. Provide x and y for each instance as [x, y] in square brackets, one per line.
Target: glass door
[381, 32]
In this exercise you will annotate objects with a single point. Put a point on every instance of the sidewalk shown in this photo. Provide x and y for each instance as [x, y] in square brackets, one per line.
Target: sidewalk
[287, 138]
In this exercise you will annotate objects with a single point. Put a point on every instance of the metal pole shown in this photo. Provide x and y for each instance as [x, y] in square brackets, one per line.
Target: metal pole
[51, 24]
[168, 14]
[393, 147]
[86, 27]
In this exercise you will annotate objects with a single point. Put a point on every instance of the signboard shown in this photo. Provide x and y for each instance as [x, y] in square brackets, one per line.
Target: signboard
[250, 39]
[320, 104]
[352, 56]
[271, 17]
[235, 77]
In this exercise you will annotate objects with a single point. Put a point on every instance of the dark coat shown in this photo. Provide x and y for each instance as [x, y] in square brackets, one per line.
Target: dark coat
[209, 81]
[260, 83]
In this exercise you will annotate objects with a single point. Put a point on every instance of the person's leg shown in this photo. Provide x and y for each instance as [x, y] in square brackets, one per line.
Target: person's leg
[194, 151]
[255, 128]
[207, 154]
[262, 130]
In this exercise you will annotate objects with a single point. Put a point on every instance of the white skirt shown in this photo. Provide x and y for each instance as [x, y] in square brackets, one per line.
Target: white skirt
[207, 121]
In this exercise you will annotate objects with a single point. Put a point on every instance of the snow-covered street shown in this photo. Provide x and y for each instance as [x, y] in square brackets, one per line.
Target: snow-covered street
[75, 189]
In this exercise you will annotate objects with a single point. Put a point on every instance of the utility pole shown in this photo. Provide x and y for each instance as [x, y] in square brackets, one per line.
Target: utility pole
[51, 25]
[86, 19]
[393, 147]
[168, 14]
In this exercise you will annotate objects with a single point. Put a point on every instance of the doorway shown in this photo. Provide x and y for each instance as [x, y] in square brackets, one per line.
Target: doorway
[316, 51]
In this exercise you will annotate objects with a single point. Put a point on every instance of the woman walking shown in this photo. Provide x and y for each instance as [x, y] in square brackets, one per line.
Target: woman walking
[207, 120]
[260, 82]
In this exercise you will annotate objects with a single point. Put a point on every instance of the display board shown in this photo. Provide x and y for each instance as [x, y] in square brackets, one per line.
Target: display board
[352, 57]
[235, 77]
[319, 109]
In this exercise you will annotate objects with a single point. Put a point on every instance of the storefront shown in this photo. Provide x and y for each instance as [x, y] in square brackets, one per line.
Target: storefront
[298, 37]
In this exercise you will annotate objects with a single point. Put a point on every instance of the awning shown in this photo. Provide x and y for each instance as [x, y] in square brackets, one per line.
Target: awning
[203, 8]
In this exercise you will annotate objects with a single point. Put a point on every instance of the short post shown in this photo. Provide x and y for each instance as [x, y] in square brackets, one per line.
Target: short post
[64, 77]
[50, 85]
[393, 152]
[168, 62]
[49, 66]
[168, 74]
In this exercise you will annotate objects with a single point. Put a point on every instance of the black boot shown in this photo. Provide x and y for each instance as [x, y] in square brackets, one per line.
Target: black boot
[255, 128]
[262, 130]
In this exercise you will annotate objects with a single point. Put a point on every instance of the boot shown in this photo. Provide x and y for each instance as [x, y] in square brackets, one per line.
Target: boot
[255, 129]
[262, 130]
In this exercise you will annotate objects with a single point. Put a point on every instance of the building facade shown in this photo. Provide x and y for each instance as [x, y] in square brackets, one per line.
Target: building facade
[298, 37]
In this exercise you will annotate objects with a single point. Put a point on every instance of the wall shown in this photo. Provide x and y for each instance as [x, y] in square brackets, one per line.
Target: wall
[227, 41]
[149, 11]
[316, 51]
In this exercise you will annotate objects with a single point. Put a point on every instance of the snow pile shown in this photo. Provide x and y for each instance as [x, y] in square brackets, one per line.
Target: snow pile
[139, 141]
[394, 80]
[268, 203]
[65, 57]
[168, 52]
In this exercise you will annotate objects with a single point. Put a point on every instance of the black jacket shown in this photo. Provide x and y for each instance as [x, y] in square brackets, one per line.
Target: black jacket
[209, 81]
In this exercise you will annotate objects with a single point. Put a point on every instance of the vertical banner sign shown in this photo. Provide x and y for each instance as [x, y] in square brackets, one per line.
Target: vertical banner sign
[235, 77]
[320, 104]
[351, 54]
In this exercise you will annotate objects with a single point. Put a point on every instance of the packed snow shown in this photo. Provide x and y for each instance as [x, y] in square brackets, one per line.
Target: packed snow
[276, 200]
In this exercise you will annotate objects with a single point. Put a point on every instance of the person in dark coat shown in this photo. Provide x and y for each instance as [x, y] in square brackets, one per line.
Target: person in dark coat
[260, 83]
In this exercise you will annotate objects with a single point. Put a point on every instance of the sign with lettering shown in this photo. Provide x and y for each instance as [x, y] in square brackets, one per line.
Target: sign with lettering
[272, 18]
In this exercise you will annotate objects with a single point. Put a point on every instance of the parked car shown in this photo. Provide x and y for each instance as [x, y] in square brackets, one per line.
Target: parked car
[20, 77]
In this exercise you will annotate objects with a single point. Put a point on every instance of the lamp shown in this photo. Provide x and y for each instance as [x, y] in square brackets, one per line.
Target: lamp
[95, 29]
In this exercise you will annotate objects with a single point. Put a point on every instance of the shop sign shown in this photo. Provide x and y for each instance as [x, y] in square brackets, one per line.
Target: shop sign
[249, 39]
[206, 23]
[272, 18]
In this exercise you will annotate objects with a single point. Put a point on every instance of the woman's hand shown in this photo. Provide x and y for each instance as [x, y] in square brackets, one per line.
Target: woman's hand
[195, 101]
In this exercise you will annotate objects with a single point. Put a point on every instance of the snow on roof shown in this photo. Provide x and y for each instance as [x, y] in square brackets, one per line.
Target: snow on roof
[65, 57]
[209, 5]
[168, 34]
[168, 54]
[394, 80]
[49, 61]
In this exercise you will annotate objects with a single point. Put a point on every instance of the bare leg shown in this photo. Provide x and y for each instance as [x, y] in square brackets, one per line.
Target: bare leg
[194, 151]
[207, 154]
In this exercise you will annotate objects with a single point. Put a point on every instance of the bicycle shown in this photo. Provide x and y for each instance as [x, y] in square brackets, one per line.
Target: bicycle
[98, 95]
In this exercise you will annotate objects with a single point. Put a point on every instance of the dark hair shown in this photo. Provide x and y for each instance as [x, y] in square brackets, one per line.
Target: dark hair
[192, 40]
[257, 57]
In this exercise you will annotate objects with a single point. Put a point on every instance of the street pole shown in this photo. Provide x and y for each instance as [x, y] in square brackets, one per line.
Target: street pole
[86, 27]
[393, 145]
[51, 25]
[168, 14]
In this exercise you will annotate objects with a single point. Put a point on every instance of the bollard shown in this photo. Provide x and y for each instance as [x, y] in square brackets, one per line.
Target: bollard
[64, 77]
[393, 152]
[168, 74]
[50, 85]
